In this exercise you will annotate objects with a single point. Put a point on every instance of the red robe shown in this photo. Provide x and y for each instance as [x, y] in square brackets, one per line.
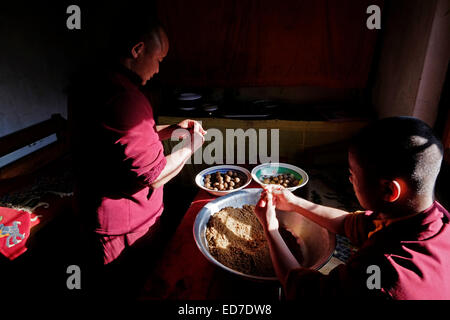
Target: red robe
[117, 154]
[413, 255]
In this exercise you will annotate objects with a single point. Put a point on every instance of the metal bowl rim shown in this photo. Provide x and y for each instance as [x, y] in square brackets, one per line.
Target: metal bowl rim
[285, 165]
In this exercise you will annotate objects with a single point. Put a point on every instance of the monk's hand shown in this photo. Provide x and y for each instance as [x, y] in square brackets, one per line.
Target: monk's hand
[195, 141]
[192, 126]
[192, 133]
[265, 211]
[283, 198]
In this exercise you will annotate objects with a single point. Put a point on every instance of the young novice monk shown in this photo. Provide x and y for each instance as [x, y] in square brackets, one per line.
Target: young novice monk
[405, 232]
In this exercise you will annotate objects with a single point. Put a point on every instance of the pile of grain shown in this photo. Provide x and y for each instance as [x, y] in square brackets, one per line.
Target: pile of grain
[236, 239]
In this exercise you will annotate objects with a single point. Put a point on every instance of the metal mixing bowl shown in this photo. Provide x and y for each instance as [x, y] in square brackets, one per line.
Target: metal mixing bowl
[316, 243]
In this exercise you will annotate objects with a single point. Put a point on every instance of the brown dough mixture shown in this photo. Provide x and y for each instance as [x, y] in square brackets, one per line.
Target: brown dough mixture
[236, 239]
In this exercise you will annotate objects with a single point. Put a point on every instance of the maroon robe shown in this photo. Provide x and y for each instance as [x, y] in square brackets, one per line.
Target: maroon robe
[117, 154]
[413, 256]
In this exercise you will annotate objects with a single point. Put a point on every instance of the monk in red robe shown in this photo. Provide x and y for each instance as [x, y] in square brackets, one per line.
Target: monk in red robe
[119, 159]
[403, 235]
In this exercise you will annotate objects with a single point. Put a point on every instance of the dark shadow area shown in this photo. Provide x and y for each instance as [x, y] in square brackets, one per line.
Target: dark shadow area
[443, 186]
[227, 286]
[42, 270]
[177, 199]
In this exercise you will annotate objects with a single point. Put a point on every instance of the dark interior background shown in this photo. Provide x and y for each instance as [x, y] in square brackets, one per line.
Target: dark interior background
[266, 43]
[310, 52]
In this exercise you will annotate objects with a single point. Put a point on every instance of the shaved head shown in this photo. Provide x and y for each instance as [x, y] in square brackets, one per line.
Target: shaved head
[399, 147]
[157, 39]
[131, 30]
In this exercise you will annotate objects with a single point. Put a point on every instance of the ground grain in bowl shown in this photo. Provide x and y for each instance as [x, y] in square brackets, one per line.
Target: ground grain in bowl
[236, 239]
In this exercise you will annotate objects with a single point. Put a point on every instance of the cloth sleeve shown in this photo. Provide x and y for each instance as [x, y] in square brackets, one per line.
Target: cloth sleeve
[130, 126]
[357, 226]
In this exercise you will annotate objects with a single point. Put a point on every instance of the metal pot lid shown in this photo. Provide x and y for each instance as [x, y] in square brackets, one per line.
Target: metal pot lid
[265, 104]
[187, 108]
[209, 107]
[189, 96]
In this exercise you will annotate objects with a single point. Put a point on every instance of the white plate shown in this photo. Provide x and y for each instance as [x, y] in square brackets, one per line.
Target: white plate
[222, 169]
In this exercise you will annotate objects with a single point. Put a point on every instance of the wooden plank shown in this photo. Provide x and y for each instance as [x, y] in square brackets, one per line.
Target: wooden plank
[34, 161]
[26, 136]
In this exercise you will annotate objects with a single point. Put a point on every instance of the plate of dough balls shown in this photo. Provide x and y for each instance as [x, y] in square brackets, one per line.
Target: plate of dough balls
[222, 180]
[282, 174]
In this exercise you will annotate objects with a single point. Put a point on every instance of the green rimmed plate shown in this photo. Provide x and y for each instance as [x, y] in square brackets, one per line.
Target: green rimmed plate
[273, 169]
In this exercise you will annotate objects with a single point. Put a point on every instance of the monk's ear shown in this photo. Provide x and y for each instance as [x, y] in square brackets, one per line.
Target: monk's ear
[391, 190]
[138, 50]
